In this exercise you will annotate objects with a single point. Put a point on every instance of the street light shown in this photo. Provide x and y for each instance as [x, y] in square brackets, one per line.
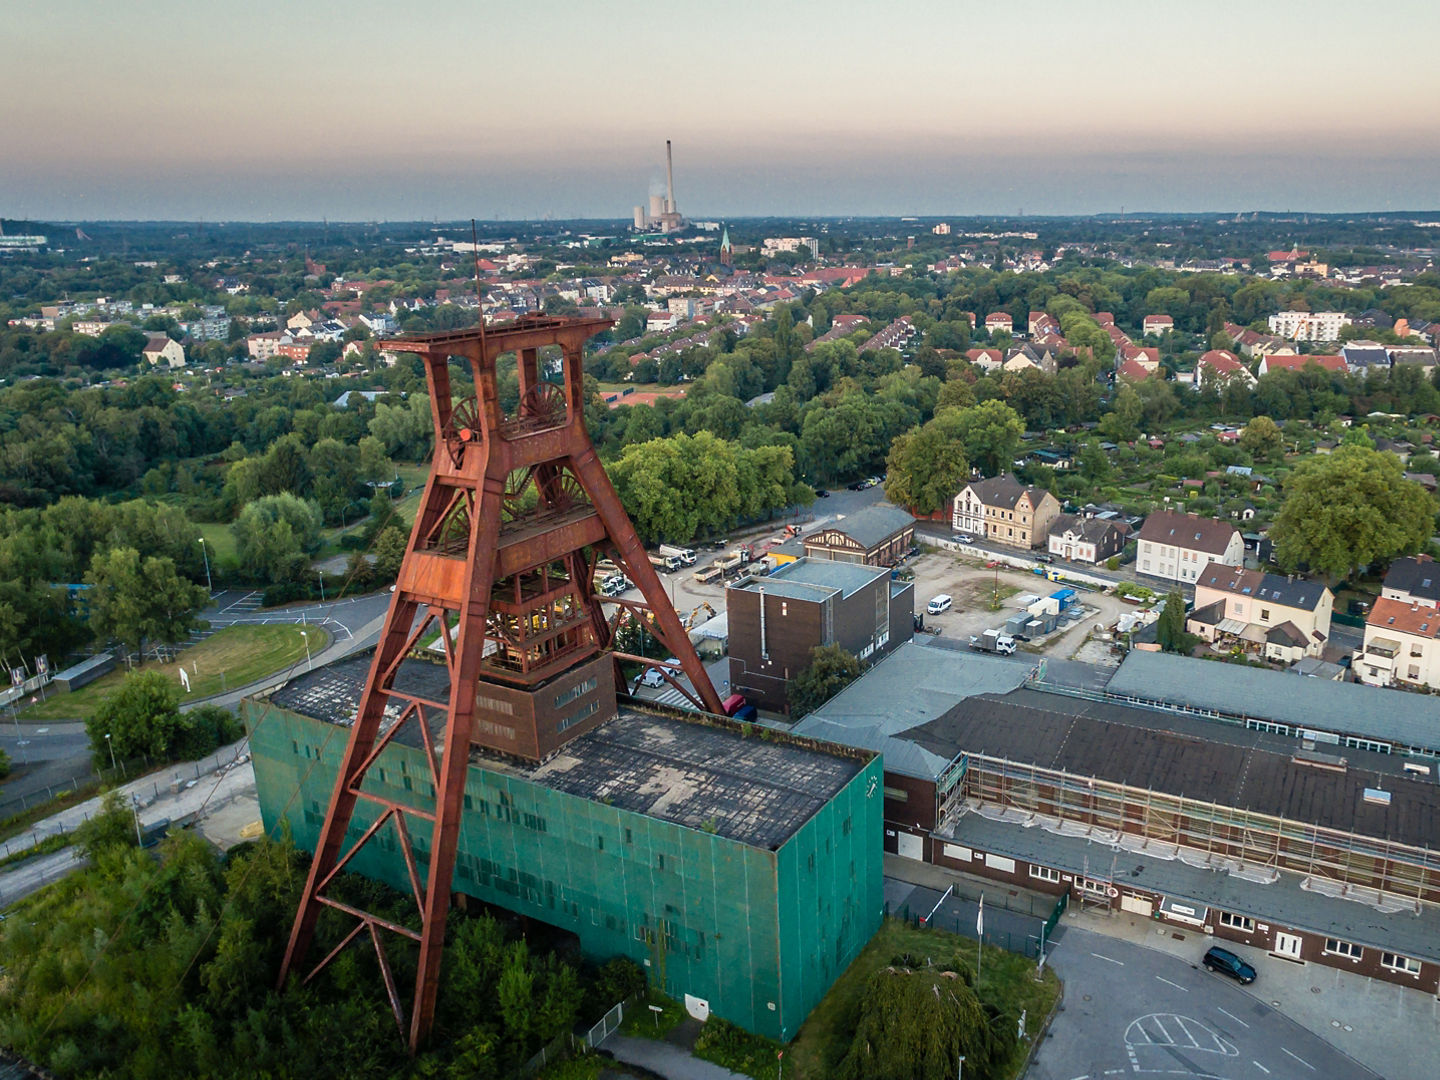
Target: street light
[309, 665]
[960, 1072]
[111, 745]
[205, 554]
[321, 575]
[135, 806]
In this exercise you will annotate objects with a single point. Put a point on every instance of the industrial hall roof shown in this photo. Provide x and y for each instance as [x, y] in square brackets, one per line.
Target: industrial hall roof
[915, 683]
[1391, 716]
[677, 768]
[1248, 770]
[815, 579]
[870, 527]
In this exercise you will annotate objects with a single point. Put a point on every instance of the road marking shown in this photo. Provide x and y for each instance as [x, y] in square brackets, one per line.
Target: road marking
[1099, 957]
[1298, 1058]
[1262, 1068]
[1232, 1016]
[1177, 986]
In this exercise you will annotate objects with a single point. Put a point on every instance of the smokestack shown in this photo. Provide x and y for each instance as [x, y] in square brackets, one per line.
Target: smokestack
[669, 180]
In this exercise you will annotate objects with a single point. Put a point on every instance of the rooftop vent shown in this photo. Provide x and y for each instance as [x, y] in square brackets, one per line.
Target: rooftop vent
[1376, 796]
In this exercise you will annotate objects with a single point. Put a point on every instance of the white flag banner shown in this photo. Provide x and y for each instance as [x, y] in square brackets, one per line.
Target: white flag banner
[980, 917]
[185, 679]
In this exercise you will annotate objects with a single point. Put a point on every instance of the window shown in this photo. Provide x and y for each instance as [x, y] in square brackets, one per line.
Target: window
[1094, 888]
[1237, 922]
[1000, 862]
[1044, 873]
[1406, 965]
[897, 794]
[1264, 614]
[1349, 949]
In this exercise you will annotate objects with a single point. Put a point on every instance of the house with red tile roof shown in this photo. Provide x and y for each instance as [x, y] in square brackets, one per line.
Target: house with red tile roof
[986, 359]
[999, 320]
[1400, 645]
[1282, 362]
[1135, 371]
[1217, 367]
[1042, 322]
[1145, 357]
[1156, 325]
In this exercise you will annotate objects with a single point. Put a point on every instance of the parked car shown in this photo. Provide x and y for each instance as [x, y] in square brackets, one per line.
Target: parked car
[821, 493]
[940, 603]
[858, 485]
[962, 538]
[1227, 963]
[1045, 557]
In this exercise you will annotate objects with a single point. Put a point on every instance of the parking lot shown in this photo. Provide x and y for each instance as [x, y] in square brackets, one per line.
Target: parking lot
[974, 587]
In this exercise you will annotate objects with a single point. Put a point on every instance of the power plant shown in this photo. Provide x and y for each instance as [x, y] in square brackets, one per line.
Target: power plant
[662, 212]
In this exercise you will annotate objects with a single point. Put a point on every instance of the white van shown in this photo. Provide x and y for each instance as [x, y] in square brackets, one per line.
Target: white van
[653, 677]
[939, 604]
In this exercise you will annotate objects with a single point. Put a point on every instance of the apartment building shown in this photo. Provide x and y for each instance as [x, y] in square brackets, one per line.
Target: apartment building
[1308, 325]
[1177, 547]
[1006, 511]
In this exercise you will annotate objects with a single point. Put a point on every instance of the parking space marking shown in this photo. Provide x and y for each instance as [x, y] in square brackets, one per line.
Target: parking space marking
[1099, 957]
[1177, 986]
[1298, 1058]
[1232, 1016]
[1262, 1068]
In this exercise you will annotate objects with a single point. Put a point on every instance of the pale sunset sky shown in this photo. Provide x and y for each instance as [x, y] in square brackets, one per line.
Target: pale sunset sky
[270, 110]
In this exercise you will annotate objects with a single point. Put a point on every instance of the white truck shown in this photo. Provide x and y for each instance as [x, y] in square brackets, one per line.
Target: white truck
[685, 555]
[993, 641]
[666, 564]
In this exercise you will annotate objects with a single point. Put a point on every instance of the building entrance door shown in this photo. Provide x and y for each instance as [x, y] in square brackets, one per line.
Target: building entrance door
[1287, 946]
[910, 846]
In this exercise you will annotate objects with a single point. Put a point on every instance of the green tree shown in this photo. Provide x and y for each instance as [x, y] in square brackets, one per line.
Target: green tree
[274, 536]
[135, 600]
[926, 467]
[1349, 509]
[990, 434]
[830, 670]
[113, 827]
[1261, 437]
[916, 1024]
[143, 717]
[389, 553]
[1170, 627]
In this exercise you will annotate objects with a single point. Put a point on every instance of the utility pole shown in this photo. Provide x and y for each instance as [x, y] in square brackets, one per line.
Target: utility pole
[205, 554]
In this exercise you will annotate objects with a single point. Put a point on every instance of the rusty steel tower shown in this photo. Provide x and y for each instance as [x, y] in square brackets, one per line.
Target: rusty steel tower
[500, 567]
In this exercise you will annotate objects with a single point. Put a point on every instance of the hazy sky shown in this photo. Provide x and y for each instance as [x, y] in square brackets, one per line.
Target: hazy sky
[303, 109]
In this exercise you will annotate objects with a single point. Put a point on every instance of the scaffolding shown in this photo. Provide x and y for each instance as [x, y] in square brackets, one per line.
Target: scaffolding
[1245, 843]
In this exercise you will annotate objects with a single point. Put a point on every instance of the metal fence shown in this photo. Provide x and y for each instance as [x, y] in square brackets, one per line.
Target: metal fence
[568, 1043]
[1014, 936]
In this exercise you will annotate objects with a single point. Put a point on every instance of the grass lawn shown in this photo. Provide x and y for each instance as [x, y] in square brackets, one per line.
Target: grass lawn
[1007, 979]
[219, 544]
[232, 658]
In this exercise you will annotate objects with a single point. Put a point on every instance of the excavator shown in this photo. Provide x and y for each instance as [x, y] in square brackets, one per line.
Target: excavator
[693, 619]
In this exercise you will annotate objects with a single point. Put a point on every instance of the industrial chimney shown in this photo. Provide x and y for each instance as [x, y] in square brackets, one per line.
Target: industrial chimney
[669, 181]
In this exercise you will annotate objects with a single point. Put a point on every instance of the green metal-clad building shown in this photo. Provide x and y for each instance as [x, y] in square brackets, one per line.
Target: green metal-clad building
[740, 866]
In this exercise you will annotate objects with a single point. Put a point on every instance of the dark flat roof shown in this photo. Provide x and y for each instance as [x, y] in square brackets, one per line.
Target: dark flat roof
[1242, 769]
[677, 768]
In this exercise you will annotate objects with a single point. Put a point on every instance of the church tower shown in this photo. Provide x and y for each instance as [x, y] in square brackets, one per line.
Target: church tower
[727, 253]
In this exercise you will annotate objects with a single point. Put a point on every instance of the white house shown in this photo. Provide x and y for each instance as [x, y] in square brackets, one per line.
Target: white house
[1177, 547]
[1308, 325]
[1400, 645]
[160, 348]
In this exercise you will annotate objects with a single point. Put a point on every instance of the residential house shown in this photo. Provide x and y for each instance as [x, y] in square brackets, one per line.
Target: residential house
[1177, 547]
[1282, 618]
[1296, 362]
[986, 360]
[1042, 322]
[1219, 366]
[1364, 356]
[1400, 646]
[1006, 511]
[999, 320]
[1413, 356]
[1414, 579]
[161, 349]
[1146, 357]
[1155, 325]
[1136, 371]
[1085, 539]
[1253, 344]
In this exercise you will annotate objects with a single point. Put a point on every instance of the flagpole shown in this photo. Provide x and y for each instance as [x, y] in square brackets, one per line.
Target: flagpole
[979, 936]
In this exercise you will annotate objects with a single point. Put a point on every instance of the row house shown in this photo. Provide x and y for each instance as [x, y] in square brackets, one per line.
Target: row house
[1217, 367]
[1400, 646]
[1296, 362]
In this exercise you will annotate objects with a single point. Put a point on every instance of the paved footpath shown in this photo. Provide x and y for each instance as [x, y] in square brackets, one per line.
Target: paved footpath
[672, 1062]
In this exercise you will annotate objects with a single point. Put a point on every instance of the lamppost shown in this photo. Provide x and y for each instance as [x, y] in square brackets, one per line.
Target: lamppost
[309, 665]
[111, 745]
[135, 807]
[960, 1071]
[321, 575]
[205, 554]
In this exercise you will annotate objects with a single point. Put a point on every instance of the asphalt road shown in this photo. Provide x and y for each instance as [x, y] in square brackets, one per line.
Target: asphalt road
[1134, 1011]
[28, 876]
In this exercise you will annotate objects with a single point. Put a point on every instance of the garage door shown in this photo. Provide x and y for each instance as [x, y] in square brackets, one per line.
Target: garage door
[1138, 905]
[910, 846]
